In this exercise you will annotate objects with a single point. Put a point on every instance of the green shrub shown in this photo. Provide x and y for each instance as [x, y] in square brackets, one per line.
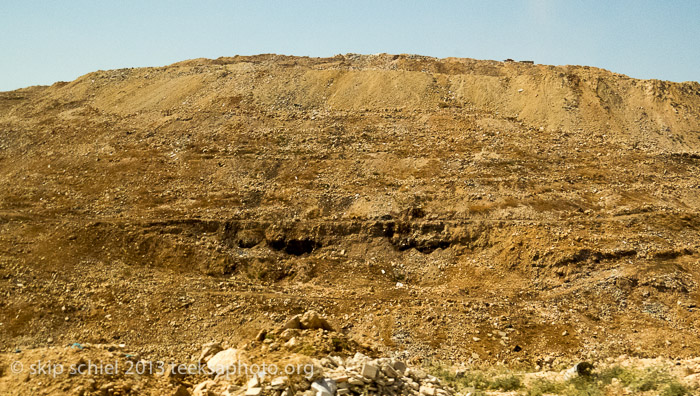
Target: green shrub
[675, 389]
[505, 383]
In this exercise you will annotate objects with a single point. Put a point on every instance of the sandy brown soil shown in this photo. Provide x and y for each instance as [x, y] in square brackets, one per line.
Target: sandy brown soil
[433, 209]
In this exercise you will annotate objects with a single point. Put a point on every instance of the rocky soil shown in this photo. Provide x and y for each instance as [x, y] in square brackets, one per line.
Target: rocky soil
[437, 211]
[307, 357]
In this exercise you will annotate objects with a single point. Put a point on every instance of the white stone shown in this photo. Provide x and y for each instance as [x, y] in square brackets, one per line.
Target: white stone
[209, 350]
[279, 382]
[253, 382]
[427, 390]
[225, 362]
[369, 370]
[203, 388]
[253, 392]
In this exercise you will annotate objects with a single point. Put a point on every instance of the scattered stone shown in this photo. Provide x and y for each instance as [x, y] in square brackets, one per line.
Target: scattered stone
[181, 391]
[324, 387]
[253, 382]
[389, 371]
[279, 383]
[399, 366]
[203, 389]
[340, 379]
[312, 320]
[223, 362]
[293, 323]
[288, 334]
[418, 374]
[326, 362]
[254, 392]
[369, 370]
[359, 357]
[355, 381]
[209, 350]
[232, 390]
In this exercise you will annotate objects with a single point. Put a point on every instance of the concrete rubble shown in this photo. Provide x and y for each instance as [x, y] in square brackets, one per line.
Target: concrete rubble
[356, 375]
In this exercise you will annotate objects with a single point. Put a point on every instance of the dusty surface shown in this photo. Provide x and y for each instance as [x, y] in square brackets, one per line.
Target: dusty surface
[454, 210]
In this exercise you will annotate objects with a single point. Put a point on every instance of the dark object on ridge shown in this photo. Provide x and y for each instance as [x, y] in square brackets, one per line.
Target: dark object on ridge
[583, 369]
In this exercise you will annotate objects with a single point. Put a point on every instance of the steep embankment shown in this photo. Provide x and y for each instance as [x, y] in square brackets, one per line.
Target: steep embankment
[425, 205]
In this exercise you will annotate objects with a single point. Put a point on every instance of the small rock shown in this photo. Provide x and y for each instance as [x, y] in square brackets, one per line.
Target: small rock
[253, 382]
[325, 384]
[418, 374]
[209, 350]
[324, 387]
[181, 391]
[223, 362]
[326, 362]
[312, 320]
[390, 372]
[288, 334]
[203, 388]
[340, 379]
[355, 381]
[399, 366]
[253, 392]
[293, 323]
[173, 373]
[279, 383]
[232, 390]
[369, 370]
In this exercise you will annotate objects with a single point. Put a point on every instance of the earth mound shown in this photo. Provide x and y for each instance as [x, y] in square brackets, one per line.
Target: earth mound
[434, 210]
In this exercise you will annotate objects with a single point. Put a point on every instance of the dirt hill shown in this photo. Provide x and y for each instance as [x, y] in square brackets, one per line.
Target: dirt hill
[435, 209]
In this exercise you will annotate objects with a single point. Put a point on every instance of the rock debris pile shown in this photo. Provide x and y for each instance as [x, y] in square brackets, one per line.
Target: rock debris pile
[333, 375]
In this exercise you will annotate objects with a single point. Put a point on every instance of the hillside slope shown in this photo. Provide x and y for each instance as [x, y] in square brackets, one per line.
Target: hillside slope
[443, 208]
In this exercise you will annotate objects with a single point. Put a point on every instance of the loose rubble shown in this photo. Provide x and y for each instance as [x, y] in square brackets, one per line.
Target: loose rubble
[331, 375]
[453, 210]
[356, 375]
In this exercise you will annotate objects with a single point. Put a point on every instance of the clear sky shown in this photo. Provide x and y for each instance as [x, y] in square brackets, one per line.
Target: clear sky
[46, 41]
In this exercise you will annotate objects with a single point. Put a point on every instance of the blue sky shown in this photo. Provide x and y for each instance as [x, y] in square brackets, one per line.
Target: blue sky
[46, 41]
